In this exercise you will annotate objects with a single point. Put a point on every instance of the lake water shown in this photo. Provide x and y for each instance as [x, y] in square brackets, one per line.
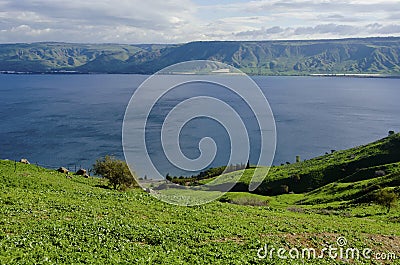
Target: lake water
[70, 120]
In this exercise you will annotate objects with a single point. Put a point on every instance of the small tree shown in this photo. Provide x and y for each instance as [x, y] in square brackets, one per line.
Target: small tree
[391, 133]
[116, 171]
[385, 198]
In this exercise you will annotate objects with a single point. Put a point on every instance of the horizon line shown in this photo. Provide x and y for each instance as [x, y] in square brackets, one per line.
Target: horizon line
[197, 41]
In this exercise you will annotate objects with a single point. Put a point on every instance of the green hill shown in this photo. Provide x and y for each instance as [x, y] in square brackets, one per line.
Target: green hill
[46, 218]
[346, 56]
[347, 176]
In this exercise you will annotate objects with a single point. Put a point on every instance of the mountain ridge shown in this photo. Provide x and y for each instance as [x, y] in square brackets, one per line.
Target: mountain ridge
[293, 57]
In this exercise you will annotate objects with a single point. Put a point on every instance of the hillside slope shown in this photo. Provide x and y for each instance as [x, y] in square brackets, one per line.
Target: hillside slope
[46, 218]
[350, 176]
[350, 56]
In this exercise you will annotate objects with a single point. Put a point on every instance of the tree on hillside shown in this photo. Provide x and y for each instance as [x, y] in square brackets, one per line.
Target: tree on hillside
[387, 199]
[116, 171]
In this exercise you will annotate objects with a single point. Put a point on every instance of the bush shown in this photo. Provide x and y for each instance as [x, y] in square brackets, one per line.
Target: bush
[385, 198]
[295, 209]
[251, 201]
[116, 171]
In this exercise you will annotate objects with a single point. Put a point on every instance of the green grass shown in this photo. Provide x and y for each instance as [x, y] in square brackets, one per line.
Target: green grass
[46, 218]
[244, 198]
[359, 163]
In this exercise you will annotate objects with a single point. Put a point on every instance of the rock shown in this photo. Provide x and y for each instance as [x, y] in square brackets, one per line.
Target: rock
[63, 170]
[81, 172]
[24, 161]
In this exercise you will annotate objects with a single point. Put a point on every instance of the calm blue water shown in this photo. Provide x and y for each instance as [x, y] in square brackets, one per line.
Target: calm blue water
[68, 120]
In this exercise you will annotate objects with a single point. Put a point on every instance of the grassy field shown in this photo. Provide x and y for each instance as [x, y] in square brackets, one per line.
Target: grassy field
[46, 218]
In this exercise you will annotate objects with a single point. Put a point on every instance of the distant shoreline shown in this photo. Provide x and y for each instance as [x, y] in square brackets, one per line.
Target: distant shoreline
[357, 75]
[350, 75]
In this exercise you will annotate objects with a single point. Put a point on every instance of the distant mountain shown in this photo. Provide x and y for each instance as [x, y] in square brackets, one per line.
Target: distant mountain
[345, 56]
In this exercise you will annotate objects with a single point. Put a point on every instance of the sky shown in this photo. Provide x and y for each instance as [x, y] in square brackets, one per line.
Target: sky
[180, 21]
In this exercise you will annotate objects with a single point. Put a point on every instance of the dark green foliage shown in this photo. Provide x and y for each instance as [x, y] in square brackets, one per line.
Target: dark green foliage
[116, 171]
[385, 198]
[194, 180]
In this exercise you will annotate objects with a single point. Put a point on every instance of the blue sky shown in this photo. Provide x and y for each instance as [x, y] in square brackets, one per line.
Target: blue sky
[176, 21]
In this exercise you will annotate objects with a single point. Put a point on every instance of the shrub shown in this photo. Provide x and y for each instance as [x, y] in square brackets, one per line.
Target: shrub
[295, 209]
[385, 198]
[252, 201]
[116, 171]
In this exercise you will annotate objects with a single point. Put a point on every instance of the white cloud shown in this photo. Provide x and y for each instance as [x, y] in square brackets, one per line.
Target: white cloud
[320, 32]
[171, 21]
